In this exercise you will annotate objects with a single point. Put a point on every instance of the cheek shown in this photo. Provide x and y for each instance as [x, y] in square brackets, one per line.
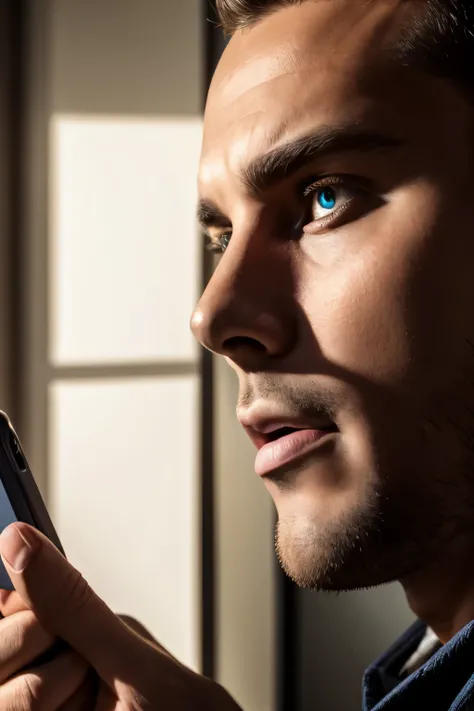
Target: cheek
[392, 295]
[358, 316]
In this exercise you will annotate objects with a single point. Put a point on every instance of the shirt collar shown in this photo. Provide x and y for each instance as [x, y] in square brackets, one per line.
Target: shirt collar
[441, 678]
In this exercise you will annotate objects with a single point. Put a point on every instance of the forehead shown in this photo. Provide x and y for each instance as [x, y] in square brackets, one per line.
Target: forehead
[308, 64]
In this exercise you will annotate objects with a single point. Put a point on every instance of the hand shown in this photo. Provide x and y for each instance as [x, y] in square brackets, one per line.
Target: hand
[32, 656]
[29, 653]
[134, 674]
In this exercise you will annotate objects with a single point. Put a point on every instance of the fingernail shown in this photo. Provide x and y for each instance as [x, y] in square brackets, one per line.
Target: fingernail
[16, 548]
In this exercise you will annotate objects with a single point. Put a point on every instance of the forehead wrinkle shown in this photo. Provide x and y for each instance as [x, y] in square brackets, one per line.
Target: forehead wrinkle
[254, 127]
[257, 72]
[217, 166]
[243, 146]
[289, 61]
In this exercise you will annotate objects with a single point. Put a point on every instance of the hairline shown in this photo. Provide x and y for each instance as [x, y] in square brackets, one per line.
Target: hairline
[422, 45]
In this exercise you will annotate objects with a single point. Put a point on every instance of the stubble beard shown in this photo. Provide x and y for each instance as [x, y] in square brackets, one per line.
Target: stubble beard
[387, 538]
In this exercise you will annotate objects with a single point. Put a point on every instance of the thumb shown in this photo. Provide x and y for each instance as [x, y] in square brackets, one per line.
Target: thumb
[66, 605]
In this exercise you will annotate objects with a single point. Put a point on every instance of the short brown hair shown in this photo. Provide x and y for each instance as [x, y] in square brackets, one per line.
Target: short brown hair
[237, 14]
[440, 39]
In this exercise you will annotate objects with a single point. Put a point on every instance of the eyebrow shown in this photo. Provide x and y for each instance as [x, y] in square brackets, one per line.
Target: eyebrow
[209, 215]
[269, 169]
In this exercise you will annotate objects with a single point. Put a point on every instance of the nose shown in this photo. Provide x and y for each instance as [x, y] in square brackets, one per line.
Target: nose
[246, 311]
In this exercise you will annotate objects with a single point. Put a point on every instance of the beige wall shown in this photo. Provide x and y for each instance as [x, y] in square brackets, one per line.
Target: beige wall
[112, 373]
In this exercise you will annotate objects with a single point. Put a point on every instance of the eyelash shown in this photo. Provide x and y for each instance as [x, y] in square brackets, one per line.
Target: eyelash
[306, 189]
[214, 244]
[326, 181]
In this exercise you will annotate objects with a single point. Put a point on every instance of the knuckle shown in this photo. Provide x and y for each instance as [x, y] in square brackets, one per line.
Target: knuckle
[25, 624]
[16, 633]
[30, 692]
[19, 636]
[76, 594]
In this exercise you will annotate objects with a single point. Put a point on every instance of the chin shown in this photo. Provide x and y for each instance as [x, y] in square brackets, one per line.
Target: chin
[352, 552]
[346, 524]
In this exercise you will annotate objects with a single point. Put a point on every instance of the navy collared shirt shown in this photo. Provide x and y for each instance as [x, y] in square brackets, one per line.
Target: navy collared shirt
[444, 683]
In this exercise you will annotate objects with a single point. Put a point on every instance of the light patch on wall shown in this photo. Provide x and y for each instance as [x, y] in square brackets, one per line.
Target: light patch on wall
[124, 495]
[124, 251]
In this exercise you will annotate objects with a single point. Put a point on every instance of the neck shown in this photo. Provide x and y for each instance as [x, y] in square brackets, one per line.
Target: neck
[442, 593]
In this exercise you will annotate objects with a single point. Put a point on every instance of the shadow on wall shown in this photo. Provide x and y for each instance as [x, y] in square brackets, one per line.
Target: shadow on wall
[156, 78]
[340, 636]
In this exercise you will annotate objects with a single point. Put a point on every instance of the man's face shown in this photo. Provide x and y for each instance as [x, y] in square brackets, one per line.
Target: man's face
[344, 299]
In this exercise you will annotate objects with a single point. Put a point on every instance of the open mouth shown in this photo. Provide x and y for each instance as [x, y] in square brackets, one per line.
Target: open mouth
[284, 431]
[284, 445]
[275, 433]
[284, 439]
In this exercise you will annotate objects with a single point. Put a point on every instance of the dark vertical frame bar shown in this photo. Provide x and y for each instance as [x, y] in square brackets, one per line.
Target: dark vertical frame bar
[213, 45]
[11, 84]
[17, 77]
[288, 696]
[15, 29]
[208, 585]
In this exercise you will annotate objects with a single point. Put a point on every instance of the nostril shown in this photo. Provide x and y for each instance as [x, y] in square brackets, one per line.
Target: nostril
[236, 343]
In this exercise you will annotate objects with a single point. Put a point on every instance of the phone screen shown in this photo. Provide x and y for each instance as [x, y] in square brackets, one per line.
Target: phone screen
[7, 516]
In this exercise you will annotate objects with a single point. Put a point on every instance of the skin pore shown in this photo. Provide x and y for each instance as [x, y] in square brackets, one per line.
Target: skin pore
[346, 287]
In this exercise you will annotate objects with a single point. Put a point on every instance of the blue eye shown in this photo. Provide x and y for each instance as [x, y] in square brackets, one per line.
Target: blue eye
[329, 199]
[326, 198]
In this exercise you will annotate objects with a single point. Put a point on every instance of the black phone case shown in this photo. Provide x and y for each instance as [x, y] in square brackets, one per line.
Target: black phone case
[21, 489]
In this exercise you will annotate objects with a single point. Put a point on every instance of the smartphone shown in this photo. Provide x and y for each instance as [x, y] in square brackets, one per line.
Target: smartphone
[20, 499]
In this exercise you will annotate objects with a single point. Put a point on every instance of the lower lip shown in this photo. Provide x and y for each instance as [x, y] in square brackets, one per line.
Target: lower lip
[288, 448]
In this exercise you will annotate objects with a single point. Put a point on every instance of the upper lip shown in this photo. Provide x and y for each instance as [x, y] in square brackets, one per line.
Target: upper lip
[259, 425]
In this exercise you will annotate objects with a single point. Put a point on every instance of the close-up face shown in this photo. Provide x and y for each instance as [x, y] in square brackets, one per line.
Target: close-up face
[336, 185]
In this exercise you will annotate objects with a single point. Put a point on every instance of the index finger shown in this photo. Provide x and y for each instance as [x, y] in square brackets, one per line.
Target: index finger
[10, 602]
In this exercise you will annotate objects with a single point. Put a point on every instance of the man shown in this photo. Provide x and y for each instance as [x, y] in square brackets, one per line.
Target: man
[336, 183]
